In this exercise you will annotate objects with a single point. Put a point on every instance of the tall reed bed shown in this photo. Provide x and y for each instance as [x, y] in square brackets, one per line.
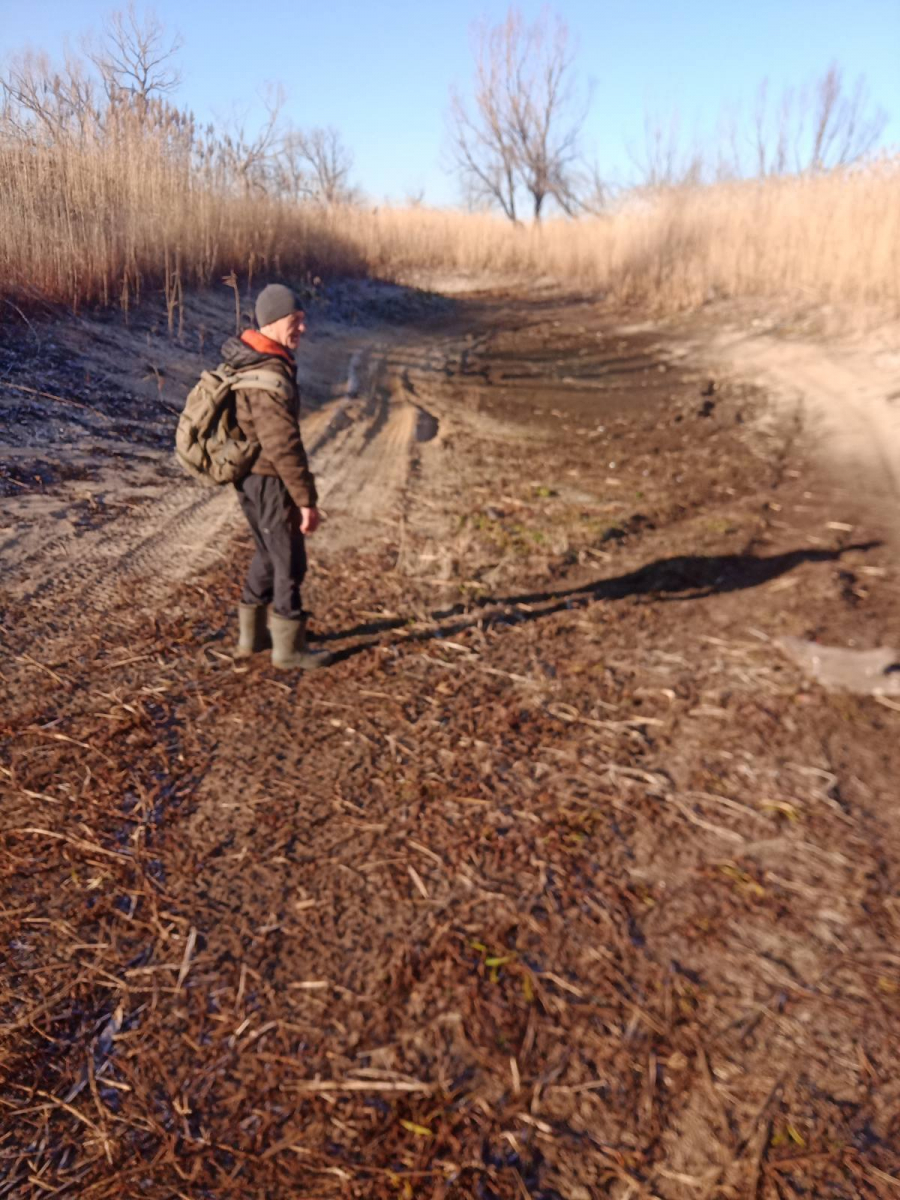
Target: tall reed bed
[830, 239]
[100, 220]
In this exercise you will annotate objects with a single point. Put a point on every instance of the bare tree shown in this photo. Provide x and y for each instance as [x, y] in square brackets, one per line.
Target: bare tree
[136, 56]
[596, 194]
[483, 150]
[814, 128]
[522, 131]
[135, 69]
[771, 134]
[315, 164]
[547, 120]
[250, 161]
[818, 127]
[42, 103]
[843, 130]
[664, 161]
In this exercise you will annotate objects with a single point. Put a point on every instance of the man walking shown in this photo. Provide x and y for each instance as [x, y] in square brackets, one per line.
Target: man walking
[278, 497]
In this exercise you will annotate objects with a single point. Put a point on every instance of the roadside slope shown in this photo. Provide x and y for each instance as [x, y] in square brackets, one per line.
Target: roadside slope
[849, 398]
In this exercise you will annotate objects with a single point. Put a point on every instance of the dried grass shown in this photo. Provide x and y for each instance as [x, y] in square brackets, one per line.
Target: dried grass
[102, 219]
[832, 239]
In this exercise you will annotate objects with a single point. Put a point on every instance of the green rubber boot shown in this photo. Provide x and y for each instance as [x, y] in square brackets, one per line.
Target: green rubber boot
[253, 631]
[289, 648]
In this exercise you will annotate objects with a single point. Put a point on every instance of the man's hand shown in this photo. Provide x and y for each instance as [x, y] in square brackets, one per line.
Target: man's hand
[309, 520]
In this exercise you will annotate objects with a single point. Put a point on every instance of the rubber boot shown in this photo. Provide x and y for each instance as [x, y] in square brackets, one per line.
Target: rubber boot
[253, 631]
[289, 648]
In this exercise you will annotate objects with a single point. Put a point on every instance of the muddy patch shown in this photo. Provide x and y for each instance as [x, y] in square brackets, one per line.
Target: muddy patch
[427, 426]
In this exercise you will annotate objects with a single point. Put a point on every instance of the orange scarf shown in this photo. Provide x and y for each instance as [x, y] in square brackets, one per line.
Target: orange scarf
[266, 345]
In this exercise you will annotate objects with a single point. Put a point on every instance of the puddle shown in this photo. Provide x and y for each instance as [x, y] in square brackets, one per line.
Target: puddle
[427, 426]
[839, 669]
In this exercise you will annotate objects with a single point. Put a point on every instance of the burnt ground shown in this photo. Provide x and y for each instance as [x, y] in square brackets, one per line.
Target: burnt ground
[561, 882]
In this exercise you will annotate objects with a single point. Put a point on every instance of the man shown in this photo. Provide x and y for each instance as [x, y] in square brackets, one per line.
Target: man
[278, 497]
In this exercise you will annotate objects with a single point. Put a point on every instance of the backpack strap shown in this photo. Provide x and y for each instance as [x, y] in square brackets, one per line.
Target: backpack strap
[264, 379]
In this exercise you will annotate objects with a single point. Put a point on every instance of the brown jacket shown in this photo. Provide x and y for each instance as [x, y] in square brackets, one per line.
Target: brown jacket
[269, 420]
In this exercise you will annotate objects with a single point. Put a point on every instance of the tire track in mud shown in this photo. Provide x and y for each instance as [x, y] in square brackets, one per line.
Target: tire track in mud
[174, 538]
[361, 447]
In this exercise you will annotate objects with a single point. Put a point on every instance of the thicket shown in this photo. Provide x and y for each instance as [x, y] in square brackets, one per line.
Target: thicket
[108, 188]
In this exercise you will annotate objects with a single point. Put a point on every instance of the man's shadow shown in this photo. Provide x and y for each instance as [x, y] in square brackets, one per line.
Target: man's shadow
[684, 577]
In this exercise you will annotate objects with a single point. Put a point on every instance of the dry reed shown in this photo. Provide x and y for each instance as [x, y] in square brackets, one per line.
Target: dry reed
[99, 221]
[832, 239]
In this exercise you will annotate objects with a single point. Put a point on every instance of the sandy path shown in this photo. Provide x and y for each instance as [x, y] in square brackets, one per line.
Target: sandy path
[153, 526]
[849, 400]
[178, 535]
[361, 449]
[372, 397]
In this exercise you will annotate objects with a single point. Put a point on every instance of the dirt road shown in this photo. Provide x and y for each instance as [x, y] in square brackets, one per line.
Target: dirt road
[562, 882]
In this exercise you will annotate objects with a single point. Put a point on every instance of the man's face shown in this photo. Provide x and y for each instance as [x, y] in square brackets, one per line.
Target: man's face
[288, 330]
[296, 327]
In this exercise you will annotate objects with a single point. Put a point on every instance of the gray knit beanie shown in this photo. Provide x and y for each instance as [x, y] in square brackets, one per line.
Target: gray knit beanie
[273, 303]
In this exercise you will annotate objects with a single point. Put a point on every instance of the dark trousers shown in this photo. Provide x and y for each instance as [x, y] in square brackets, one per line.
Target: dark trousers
[279, 565]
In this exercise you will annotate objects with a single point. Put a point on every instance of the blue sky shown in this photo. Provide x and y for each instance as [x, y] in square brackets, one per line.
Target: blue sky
[381, 72]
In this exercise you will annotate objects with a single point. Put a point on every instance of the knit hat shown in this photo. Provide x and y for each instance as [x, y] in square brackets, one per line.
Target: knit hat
[273, 303]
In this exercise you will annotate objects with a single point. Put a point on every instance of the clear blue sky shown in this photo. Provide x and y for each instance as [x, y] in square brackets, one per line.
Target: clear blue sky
[380, 72]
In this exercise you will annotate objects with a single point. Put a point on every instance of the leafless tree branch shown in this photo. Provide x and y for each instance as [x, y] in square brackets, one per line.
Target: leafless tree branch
[41, 102]
[818, 128]
[315, 164]
[250, 161]
[136, 56]
[523, 127]
[662, 161]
